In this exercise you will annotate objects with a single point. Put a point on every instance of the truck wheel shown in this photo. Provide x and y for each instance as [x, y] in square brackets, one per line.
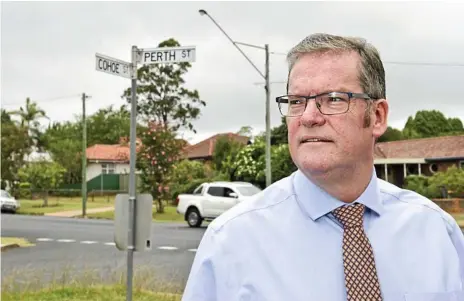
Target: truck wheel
[193, 218]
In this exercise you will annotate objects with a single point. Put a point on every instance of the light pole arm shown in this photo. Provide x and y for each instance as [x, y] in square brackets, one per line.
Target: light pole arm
[235, 44]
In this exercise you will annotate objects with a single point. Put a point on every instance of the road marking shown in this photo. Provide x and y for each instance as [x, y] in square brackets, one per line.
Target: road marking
[167, 248]
[66, 240]
[88, 242]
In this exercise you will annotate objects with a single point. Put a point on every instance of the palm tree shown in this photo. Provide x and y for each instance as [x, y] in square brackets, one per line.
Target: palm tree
[30, 116]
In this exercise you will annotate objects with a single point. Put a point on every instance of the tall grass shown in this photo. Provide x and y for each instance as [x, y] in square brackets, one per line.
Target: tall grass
[32, 283]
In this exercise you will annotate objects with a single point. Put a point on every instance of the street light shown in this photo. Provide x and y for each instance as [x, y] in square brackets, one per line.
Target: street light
[266, 87]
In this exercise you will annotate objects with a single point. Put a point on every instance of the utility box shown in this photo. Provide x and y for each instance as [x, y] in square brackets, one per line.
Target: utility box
[143, 220]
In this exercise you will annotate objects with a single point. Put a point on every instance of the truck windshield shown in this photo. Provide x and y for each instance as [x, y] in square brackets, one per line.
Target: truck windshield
[5, 194]
[248, 190]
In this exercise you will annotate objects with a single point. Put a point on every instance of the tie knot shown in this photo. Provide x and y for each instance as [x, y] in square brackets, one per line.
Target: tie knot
[350, 216]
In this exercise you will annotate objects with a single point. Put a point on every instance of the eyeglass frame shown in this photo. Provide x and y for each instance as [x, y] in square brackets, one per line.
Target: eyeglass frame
[351, 95]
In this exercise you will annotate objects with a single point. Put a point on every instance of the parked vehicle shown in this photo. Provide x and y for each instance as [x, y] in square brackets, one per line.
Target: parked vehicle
[8, 203]
[209, 200]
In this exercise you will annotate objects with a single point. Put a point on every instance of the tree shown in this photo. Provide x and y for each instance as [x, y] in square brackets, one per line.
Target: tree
[14, 147]
[64, 140]
[452, 179]
[225, 150]
[391, 134]
[246, 131]
[29, 119]
[431, 124]
[42, 175]
[157, 154]
[64, 143]
[187, 173]
[107, 125]
[162, 97]
[279, 134]
[282, 163]
[249, 166]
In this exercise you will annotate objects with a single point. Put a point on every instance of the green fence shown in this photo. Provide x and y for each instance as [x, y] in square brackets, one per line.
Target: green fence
[104, 182]
[116, 182]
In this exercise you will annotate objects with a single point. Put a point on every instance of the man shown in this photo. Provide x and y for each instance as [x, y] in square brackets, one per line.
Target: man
[332, 230]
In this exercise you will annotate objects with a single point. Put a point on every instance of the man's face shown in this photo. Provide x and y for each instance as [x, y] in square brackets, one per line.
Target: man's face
[350, 141]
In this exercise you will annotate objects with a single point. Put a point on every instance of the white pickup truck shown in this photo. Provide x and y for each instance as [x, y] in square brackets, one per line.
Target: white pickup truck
[209, 200]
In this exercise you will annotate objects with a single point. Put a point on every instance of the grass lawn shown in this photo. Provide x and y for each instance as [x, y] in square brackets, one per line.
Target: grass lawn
[35, 207]
[459, 218]
[15, 240]
[85, 293]
[169, 215]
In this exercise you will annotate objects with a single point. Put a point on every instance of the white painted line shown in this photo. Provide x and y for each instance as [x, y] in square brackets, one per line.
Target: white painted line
[192, 250]
[110, 243]
[66, 240]
[44, 239]
[88, 242]
[167, 248]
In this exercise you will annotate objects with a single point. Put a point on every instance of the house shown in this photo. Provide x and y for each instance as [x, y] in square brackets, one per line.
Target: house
[203, 150]
[108, 165]
[397, 159]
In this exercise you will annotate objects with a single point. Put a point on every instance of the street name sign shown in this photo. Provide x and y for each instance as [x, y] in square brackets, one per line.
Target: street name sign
[111, 65]
[167, 55]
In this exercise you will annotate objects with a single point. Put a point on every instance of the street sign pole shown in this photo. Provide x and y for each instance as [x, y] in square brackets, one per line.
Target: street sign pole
[132, 182]
[103, 63]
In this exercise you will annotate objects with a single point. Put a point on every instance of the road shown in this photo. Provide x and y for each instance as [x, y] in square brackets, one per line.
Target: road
[66, 248]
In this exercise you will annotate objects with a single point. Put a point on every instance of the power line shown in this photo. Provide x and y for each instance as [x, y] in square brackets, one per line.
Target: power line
[43, 100]
[426, 64]
[406, 63]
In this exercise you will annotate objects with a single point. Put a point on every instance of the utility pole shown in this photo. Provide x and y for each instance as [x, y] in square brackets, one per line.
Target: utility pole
[84, 156]
[268, 120]
[267, 87]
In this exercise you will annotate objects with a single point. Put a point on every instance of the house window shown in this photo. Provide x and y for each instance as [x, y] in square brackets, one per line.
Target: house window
[108, 168]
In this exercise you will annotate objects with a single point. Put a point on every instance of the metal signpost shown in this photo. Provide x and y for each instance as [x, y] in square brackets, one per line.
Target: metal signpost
[111, 65]
[162, 55]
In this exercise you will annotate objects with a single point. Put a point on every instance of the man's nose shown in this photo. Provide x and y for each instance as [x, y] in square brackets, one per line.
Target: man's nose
[311, 115]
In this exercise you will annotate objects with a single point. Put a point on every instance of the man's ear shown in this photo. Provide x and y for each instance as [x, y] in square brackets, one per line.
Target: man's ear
[380, 118]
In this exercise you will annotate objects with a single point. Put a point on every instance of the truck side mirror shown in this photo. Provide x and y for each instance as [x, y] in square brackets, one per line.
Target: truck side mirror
[233, 195]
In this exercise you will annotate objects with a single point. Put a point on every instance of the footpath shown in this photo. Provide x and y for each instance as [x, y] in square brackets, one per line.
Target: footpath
[74, 213]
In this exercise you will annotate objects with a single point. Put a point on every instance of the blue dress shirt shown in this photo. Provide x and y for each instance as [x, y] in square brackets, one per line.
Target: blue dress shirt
[286, 245]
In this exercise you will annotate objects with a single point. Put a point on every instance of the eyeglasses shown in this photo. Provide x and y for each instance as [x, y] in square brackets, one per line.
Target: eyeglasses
[331, 103]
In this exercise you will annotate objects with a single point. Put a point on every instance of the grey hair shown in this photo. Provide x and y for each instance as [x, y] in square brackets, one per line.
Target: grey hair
[371, 70]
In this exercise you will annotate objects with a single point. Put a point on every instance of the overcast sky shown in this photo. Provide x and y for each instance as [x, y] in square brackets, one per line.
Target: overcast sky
[48, 51]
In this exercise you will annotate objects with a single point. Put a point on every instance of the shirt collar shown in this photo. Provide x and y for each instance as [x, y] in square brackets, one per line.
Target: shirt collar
[316, 202]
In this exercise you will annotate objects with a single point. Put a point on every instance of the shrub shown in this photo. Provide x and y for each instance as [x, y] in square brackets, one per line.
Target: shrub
[418, 184]
[452, 180]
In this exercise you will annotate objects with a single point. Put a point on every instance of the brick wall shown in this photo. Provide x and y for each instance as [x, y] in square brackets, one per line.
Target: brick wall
[451, 205]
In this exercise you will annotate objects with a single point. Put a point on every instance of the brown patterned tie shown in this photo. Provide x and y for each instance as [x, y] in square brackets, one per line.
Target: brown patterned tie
[361, 279]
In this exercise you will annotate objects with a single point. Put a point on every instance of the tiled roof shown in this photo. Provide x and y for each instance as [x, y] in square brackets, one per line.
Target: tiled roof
[436, 147]
[104, 152]
[114, 152]
[205, 148]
